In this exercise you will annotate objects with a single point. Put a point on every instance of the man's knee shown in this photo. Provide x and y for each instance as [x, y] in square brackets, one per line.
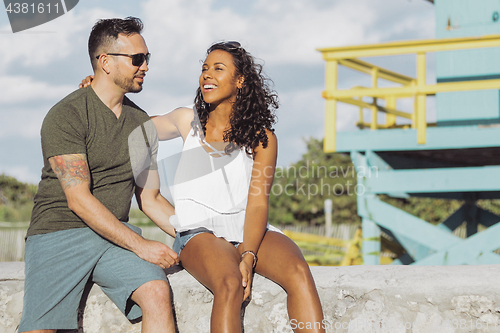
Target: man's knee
[153, 293]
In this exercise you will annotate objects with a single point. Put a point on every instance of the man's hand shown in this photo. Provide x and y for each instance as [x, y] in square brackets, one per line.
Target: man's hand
[86, 82]
[157, 253]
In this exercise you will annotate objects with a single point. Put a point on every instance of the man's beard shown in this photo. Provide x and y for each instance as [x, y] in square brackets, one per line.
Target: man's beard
[128, 84]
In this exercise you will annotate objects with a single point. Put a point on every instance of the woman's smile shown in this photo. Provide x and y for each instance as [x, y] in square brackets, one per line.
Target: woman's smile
[209, 87]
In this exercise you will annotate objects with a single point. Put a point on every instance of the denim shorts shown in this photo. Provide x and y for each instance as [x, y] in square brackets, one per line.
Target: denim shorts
[181, 238]
[58, 266]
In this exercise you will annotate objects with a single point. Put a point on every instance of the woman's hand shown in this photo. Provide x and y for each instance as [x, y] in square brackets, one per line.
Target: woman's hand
[86, 82]
[246, 273]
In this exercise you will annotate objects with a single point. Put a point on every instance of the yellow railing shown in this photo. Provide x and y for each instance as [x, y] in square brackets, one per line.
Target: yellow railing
[416, 88]
[334, 251]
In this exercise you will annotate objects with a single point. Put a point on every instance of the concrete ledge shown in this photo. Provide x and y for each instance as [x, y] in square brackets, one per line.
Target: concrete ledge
[425, 299]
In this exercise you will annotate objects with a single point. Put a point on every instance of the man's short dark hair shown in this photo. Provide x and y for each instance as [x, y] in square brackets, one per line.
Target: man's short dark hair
[105, 33]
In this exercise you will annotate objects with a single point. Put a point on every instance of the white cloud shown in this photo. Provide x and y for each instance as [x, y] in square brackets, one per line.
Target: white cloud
[22, 89]
[301, 112]
[50, 42]
[21, 173]
[22, 122]
[24, 103]
[278, 32]
[300, 116]
[183, 29]
[294, 29]
[281, 31]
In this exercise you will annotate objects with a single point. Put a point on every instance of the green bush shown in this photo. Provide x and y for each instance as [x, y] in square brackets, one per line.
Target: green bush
[16, 199]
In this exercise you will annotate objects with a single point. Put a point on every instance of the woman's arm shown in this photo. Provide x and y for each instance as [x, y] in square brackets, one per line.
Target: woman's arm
[153, 204]
[168, 126]
[174, 124]
[258, 203]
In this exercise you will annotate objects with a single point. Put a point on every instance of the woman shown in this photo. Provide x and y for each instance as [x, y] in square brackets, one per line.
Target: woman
[221, 214]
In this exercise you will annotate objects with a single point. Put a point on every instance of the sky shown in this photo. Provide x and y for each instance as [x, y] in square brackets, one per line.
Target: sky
[41, 65]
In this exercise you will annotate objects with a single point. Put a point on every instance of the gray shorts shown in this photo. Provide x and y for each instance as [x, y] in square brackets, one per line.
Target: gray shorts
[58, 266]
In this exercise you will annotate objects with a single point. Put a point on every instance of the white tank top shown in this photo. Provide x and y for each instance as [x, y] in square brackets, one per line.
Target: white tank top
[211, 189]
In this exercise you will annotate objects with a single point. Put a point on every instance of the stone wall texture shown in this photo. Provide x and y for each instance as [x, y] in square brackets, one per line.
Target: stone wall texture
[423, 299]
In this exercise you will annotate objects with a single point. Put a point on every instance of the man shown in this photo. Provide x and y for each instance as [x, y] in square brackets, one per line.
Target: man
[77, 230]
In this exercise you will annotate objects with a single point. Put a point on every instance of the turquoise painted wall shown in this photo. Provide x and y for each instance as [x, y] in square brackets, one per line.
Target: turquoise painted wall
[470, 17]
[467, 18]
[468, 107]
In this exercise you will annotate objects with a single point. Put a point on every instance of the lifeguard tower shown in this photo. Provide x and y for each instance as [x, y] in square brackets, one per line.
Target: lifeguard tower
[457, 157]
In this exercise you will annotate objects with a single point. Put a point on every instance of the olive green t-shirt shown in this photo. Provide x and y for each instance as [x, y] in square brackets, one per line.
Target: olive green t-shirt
[82, 124]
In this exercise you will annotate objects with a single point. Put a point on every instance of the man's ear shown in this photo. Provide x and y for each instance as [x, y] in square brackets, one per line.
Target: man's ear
[103, 63]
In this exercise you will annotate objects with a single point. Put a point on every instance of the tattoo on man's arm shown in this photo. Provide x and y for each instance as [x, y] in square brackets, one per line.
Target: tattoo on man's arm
[71, 169]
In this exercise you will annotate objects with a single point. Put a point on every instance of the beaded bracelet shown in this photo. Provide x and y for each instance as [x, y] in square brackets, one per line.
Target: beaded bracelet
[254, 257]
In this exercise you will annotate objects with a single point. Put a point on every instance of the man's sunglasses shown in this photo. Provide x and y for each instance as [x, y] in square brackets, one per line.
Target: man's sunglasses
[137, 59]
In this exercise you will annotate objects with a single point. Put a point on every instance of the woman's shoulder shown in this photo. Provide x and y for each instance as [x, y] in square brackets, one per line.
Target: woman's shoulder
[175, 123]
[185, 117]
[184, 110]
[271, 137]
[272, 143]
[183, 113]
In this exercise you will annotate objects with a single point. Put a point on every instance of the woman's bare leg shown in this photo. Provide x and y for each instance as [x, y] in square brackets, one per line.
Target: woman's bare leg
[215, 263]
[281, 261]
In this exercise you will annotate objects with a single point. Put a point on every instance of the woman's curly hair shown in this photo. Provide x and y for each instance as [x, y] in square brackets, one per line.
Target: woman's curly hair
[255, 105]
